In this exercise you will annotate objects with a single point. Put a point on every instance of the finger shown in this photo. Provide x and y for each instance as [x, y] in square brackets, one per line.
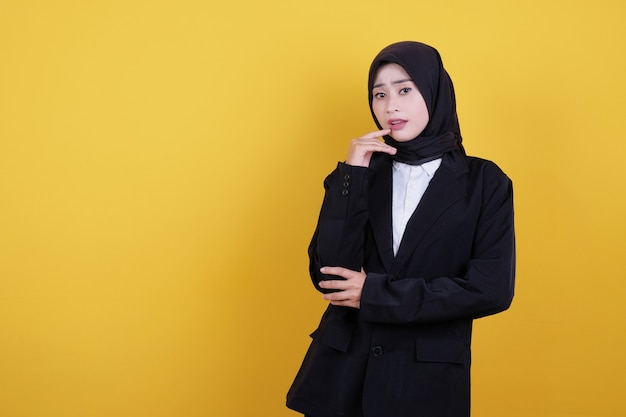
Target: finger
[337, 296]
[332, 270]
[348, 302]
[376, 134]
[365, 144]
[334, 284]
[353, 304]
[336, 270]
[370, 142]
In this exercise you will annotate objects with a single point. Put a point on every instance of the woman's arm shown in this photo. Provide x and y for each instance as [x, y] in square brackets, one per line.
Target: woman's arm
[486, 287]
[339, 237]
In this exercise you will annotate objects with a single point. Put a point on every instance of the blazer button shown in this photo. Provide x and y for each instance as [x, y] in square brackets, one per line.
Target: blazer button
[377, 350]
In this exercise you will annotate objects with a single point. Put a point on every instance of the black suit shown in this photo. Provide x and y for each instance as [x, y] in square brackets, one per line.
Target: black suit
[406, 351]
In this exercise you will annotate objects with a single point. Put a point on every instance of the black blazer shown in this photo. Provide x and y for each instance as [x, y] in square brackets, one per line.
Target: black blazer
[406, 351]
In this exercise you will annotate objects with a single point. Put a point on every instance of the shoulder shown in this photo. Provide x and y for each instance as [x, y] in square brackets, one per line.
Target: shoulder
[484, 167]
[474, 169]
[487, 179]
[479, 173]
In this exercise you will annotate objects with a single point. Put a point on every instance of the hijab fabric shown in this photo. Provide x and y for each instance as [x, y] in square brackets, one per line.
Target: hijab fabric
[425, 67]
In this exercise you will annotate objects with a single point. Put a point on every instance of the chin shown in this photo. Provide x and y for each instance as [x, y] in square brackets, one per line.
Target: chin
[401, 137]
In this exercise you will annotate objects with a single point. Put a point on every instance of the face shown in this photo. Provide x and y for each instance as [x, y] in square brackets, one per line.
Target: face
[398, 104]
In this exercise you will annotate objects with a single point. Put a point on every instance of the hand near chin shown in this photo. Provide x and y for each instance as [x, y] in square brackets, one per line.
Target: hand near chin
[361, 149]
[347, 290]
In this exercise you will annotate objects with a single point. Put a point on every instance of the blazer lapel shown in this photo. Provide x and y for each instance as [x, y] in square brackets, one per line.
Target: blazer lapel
[380, 208]
[444, 190]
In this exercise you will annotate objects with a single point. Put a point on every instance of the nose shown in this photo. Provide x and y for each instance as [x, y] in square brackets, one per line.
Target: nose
[392, 106]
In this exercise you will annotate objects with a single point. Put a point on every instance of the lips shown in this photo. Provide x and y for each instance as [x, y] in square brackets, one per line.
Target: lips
[397, 124]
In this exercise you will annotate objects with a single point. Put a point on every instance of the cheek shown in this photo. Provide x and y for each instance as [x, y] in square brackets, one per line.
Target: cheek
[378, 113]
[424, 110]
[421, 113]
[424, 119]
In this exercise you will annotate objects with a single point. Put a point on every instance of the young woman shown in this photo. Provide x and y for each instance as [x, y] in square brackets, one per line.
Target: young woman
[414, 241]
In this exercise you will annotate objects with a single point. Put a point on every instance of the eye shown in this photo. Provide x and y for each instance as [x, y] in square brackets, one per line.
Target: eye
[405, 90]
[379, 95]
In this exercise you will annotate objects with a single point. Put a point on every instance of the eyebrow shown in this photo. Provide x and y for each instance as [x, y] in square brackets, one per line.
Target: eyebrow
[394, 82]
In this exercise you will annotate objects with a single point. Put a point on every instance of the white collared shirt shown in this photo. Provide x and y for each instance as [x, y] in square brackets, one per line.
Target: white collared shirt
[409, 184]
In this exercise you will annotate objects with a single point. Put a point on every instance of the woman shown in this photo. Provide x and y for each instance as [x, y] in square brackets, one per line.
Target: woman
[414, 241]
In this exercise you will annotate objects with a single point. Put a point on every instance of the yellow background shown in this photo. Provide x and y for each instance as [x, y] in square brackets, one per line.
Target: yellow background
[161, 167]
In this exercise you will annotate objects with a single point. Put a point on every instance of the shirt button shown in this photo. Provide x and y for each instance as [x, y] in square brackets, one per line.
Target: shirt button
[377, 350]
[344, 192]
[346, 177]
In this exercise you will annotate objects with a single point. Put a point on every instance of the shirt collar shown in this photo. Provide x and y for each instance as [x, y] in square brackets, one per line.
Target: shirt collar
[429, 167]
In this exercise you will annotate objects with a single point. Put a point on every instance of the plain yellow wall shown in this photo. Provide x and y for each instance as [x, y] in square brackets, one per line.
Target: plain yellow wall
[161, 167]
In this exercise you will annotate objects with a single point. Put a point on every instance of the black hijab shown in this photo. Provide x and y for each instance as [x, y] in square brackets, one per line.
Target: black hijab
[442, 133]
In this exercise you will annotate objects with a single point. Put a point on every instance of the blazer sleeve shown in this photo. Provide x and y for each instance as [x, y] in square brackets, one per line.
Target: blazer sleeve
[339, 237]
[485, 288]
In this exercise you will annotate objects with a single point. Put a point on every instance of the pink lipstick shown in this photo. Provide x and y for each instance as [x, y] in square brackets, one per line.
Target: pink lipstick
[397, 124]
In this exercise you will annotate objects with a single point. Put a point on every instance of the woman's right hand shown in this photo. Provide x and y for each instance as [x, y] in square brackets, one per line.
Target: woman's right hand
[361, 149]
